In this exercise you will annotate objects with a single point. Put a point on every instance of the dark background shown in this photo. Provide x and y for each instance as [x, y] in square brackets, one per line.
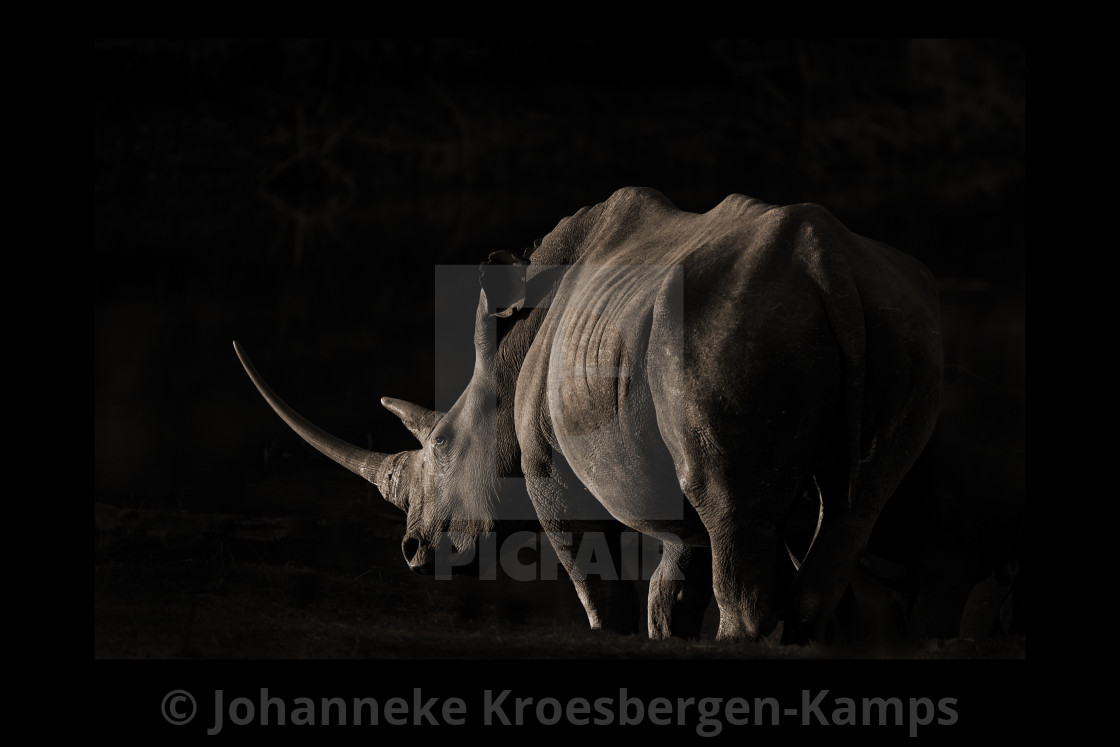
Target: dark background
[297, 196]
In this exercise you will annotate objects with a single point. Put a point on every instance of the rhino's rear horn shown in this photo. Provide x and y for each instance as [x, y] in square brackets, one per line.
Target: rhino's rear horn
[419, 420]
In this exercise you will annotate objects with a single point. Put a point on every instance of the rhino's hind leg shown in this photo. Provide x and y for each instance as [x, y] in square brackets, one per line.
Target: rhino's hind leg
[824, 577]
[680, 591]
[745, 549]
[744, 579]
[743, 509]
[846, 529]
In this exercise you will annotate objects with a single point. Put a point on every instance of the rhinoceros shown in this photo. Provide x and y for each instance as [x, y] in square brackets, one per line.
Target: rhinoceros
[684, 375]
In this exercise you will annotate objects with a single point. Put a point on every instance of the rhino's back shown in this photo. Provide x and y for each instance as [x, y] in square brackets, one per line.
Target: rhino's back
[640, 226]
[673, 330]
[737, 240]
[700, 283]
[744, 262]
[653, 325]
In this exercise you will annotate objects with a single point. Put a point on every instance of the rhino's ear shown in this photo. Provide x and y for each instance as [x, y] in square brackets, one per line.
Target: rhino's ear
[503, 279]
[419, 420]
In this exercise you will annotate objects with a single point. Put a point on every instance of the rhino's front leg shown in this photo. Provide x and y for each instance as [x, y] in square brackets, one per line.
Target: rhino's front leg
[680, 591]
[586, 538]
[592, 555]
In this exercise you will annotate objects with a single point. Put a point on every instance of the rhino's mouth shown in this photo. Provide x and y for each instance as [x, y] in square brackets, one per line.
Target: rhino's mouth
[444, 558]
[474, 555]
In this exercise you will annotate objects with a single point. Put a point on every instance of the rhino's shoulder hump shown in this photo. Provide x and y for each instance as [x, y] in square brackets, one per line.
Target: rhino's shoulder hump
[637, 197]
[628, 210]
[737, 205]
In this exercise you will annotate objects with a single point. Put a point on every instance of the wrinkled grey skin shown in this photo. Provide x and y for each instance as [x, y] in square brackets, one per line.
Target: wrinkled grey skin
[690, 374]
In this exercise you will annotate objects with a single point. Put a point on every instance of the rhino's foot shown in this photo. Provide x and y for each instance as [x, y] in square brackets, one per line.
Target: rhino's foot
[680, 592]
[680, 621]
[746, 582]
[611, 606]
[616, 627]
[748, 610]
[745, 627]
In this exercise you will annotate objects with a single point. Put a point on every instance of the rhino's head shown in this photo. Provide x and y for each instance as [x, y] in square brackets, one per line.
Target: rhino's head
[449, 487]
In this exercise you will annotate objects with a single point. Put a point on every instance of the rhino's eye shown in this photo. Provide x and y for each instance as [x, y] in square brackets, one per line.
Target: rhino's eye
[439, 440]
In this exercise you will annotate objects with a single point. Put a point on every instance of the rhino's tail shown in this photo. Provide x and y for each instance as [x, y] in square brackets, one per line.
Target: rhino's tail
[844, 307]
[845, 314]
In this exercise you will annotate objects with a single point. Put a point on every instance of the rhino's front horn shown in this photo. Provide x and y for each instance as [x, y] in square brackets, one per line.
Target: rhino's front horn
[419, 420]
[371, 465]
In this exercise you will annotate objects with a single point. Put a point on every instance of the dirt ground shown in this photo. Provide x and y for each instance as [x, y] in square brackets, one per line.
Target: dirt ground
[310, 568]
